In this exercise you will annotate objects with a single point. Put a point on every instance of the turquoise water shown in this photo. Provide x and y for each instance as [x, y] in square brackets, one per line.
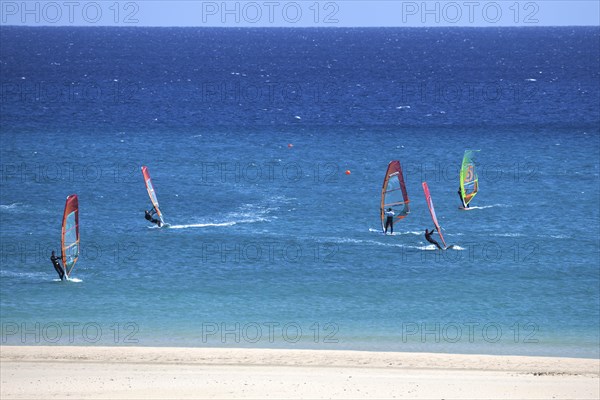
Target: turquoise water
[276, 246]
[304, 248]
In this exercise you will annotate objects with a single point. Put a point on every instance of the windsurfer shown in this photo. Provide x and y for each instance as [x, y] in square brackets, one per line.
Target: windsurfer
[430, 239]
[462, 200]
[149, 215]
[56, 264]
[389, 220]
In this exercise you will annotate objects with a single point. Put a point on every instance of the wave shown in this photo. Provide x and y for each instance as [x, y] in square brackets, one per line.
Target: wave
[346, 240]
[358, 241]
[9, 273]
[251, 213]
[508, 234]
[397, 233]
[370, 242]
[245, 214]
[281, 199]
[205, 225]
[11, 207]
[431, 247]
[250, 218]
[38, 276]
[73, 280]
[488, 206]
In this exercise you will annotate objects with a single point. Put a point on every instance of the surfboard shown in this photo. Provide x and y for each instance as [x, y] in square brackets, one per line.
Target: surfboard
[432, 212]
[69, 241]
[394, 194]
[152, 193]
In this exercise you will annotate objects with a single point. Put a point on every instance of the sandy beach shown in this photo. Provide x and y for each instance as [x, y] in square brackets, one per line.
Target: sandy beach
[144, 372]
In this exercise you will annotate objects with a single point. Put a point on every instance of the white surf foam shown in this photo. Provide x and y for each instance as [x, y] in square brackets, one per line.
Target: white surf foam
[230, 223]
[9, 273]
[10, 207]
[488, 206]
[508, 234]
[397, 232]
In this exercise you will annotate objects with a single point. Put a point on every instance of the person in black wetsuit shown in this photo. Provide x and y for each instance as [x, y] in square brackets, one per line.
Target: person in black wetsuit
[430, 239]
[389, 220]
[462, 200]
[149, 215]
[57, 266]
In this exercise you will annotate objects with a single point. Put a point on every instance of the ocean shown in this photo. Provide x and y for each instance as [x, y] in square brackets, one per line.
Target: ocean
[267, 149]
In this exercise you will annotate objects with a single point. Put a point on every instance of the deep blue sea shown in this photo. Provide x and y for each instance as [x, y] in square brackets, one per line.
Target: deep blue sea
[249, 134]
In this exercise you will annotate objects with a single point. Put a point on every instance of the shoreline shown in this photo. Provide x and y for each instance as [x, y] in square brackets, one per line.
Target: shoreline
[162, 372]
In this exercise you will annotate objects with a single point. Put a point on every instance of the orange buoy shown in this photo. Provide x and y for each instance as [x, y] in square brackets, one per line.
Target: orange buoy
[290, 146]
[348, 172]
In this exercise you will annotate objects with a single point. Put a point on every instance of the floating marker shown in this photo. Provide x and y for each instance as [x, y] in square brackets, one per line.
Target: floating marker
[290, 146]
[348, 172]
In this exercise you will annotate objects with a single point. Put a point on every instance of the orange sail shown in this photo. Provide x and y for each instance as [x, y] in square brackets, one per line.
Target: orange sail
[393, 194]
[152, 192]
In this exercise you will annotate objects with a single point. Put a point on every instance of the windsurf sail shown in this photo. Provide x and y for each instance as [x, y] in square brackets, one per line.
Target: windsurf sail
[393, 193]
[152, 192]
[469, 182]
[70, 234]
[432, 212]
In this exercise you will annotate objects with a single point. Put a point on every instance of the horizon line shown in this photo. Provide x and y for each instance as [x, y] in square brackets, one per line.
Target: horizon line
[298, 27]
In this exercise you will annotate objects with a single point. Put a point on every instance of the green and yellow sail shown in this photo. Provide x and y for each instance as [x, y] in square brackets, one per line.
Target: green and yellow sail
[469, 182]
